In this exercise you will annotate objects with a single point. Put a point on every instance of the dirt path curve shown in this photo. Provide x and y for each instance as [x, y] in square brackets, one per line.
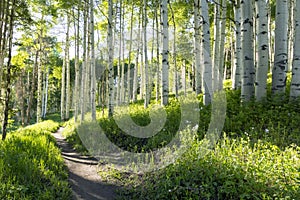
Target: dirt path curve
[84, 180]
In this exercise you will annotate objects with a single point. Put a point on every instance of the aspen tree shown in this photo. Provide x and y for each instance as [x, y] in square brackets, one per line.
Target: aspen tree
[281, 51]
[165, 54]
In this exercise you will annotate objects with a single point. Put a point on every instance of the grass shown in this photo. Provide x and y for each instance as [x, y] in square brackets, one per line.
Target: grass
[257, 157]
[31, 166]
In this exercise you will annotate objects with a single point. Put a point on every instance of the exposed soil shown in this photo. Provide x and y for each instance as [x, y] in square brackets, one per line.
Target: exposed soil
[86, 184]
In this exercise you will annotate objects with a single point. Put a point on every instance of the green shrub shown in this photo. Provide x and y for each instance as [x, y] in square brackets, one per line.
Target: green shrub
[259, 158]
[234, 170]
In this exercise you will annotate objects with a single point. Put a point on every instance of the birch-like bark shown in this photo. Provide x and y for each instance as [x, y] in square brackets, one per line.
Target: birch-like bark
[110, 59]
[122, 92]
[216, 45]
[205, 56]
[88, 79]
[119, 56]
[174, 54]
[63, 92]
[68, 72]
[141, 69]
[291, 33]
[183, 77]
[165, 54]
[262, 50]
[32, 87]
[222, 45]
[77, 69]
[236, 82]
[129, 77]
[271, 40]
[4, 32]
[197, 46]
[281, 51]
[40, 77]
[45, 92]
[157, 16]
[147, 95]
[295, 83]
[136, 65]
[4, 5]
[8, 68]
[248, 71]
[232, 55]
[84, 67]
[93, 63]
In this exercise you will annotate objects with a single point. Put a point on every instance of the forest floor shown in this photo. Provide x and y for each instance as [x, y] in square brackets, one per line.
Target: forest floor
[84, 180]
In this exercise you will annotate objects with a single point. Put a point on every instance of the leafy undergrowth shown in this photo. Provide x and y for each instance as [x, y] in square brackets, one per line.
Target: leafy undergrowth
[31, 166]
[70, 132]
[235, 169]
[257, 157]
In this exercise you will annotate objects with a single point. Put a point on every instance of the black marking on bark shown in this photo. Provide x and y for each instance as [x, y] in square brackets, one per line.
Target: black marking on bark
[264, 32]
[296, 85]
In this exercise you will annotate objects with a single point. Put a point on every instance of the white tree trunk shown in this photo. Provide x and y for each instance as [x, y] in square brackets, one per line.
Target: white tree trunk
[165, 54]
[295, 83]
[157, 53]
[135, 72]
[206, 57]
[222, 45]
[110, 59]
[146, 81]
[271, 40]
[248, 71]
[197, 46]
[291, 33]
[262, 50]
[63, 92]
[118, 95]
[129, 77]
[122, 92]
[40, 75]
[281, 51]
[68, 73]
[87, 83]
[175, 86]
[184, 77]
[236, 82]
[83, 98]
[77, 69]
[93, 64]
[216, 45]
[45, 93]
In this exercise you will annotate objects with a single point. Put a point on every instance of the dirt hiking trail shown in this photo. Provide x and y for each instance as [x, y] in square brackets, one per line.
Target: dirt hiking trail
[85, 183]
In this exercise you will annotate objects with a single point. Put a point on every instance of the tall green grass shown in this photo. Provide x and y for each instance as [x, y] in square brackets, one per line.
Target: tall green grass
[257, 156]
[31, 166]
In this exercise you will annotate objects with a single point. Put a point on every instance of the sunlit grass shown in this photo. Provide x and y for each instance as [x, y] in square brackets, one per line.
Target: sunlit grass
[31, 166]
[258, 156]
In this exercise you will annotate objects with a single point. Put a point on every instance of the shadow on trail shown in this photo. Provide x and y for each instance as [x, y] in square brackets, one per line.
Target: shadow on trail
[86, 184]
[91, 190]
[80, 159]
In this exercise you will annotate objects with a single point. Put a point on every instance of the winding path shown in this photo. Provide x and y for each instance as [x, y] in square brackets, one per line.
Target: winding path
[85, 183]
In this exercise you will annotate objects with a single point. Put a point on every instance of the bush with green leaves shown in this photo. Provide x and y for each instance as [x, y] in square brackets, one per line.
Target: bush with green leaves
[235, 169]
[31, 166]
[258, 158]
